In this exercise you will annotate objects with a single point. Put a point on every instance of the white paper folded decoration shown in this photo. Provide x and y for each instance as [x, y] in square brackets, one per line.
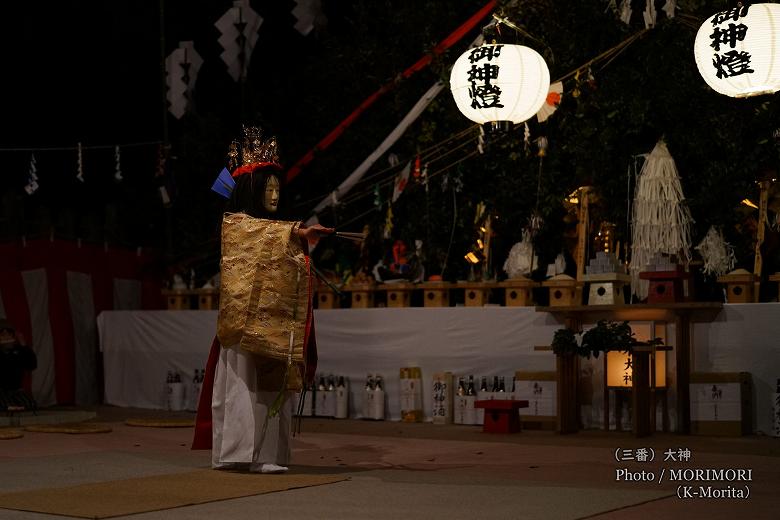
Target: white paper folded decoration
[551, 103]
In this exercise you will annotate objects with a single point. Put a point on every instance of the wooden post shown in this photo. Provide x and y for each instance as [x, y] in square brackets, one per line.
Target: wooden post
[682, 330]
[760, 234]
[568, 409]
[582, 232]
[640, 392]
[567, 374]
[486, 263]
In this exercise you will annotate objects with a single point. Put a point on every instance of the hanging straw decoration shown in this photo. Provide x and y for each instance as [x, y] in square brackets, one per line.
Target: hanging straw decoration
[718, 255]
[661, 220]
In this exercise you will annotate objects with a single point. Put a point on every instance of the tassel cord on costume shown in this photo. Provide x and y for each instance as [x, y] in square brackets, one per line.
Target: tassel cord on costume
[273, 411]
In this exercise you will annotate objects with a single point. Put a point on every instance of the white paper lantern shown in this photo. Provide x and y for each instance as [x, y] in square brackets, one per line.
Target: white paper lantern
[738, 50]
[499, 83]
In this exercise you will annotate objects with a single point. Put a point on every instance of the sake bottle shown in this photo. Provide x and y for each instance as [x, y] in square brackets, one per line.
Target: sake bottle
[342, 399]
[470, 390]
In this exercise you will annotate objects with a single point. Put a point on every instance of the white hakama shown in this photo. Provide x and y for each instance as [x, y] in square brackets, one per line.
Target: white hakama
[240, 413]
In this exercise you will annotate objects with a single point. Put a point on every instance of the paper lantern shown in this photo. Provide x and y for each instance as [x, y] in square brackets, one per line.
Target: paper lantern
[738, 50]
[500, 84]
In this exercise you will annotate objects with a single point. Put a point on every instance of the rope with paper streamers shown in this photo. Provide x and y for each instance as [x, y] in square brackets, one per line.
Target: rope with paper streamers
[82, 147]
[393, 169]
[607, 57]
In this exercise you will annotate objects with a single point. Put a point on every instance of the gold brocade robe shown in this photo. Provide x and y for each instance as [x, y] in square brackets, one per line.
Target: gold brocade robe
[264, 295]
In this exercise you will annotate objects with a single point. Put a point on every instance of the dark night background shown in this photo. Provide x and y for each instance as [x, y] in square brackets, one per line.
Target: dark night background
[90, 72]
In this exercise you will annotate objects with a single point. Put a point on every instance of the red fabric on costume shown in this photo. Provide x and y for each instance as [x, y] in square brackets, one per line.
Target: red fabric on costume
[202, 437]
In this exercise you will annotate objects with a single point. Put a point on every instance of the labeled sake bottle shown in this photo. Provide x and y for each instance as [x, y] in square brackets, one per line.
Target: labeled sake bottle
[470, 390]
[501, 387]
[495, 384]
[368, 397]
[483, 384]
[378, 401]
[461, 387]
[176, 393]
[328, 398]
[197, 381]
[342, 399]
[308, 401]
[169, 390]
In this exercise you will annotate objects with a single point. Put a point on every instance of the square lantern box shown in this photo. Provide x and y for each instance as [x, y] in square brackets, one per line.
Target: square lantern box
[518, 292]
[178, 299]
[475, 294]
[398, 294]
[721, 403]
[776, 278]
[739, 286]
[563, 290]
[208, 299]
[665, 286]
[607, 288]
[362, 295]
[436, 294]
[646, 392]
[326, 298]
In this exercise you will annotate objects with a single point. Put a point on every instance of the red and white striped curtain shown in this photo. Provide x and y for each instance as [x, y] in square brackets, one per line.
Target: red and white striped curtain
[53, 290]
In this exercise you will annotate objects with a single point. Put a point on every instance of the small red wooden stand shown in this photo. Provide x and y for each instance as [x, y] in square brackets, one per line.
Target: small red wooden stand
[501, 415]
[665, 286]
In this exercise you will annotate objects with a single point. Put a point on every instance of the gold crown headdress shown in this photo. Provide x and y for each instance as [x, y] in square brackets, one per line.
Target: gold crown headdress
[253, 151]
[245, 156]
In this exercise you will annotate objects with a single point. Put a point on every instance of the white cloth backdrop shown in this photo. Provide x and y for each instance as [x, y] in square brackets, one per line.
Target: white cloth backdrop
[483, 341]
[43, 378]
[139, 347]
[744, 338]
[82, 310]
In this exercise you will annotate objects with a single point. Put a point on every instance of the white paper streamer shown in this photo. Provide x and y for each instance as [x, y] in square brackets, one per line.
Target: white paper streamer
[32, 181]
[118, 169]
[718, 255]
[625, 12]
[80, 166]
[650, 14]
[669, 8]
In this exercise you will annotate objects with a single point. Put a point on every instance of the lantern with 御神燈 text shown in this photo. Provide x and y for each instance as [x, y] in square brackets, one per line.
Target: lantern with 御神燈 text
[738, 50]
[500, 84]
